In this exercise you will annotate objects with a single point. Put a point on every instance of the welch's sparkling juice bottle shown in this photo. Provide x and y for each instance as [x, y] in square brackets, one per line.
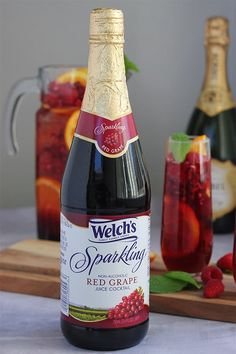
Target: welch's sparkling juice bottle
[105, 206]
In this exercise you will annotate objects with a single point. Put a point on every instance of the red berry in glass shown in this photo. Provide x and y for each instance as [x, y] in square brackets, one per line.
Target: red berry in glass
[186, 237]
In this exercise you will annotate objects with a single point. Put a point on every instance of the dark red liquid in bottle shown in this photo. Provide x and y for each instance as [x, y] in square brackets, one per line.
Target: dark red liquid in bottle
[96, 185]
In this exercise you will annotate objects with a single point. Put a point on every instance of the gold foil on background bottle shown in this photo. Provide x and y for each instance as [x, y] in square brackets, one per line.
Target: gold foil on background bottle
[106, 92]
[216, 95]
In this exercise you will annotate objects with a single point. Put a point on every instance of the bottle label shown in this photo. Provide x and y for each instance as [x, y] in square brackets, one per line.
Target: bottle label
[213, 101]
[111, 137]
[105, 269]
[223, 187]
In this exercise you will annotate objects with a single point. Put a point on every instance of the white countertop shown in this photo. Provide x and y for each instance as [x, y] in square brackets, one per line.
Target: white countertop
[30, 324]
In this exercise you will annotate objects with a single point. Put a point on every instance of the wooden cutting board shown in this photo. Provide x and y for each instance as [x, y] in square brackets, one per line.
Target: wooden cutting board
[32, 267]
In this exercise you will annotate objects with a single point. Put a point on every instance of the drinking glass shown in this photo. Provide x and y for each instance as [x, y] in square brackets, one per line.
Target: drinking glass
[186, 235]
[234, 252]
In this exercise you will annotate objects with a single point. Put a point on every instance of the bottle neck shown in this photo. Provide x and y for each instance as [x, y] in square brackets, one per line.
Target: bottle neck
[216, 96]
[106, 93]
[216, 68]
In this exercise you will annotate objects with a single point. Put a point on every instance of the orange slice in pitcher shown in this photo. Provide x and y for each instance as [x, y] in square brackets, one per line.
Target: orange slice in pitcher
[199, 148]
[70, 128]
[72, 76]
[48, 196]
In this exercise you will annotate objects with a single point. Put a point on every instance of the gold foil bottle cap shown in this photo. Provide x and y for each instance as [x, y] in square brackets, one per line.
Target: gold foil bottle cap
[217, 31]
[106, 26]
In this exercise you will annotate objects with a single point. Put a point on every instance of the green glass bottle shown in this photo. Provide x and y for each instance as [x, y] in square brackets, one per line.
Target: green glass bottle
[215, 116]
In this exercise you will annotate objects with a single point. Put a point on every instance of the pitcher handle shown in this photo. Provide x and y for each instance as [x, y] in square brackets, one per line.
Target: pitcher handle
[18, 90]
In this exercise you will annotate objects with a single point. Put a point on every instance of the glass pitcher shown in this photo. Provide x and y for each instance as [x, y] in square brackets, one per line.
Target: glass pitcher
[61, 89]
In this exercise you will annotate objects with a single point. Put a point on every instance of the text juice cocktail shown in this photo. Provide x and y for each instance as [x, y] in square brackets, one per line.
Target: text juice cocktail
[186, 237]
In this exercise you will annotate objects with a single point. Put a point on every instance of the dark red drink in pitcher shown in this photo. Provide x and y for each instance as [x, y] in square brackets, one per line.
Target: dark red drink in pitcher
[56, 121]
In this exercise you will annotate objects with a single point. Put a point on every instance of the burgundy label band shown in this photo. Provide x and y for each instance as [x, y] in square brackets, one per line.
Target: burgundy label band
[111, 137]
[135, 320]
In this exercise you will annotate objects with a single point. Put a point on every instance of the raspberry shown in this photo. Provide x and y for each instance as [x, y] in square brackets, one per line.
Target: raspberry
[211, 272]
[193, 158]
[225, 263]
[68, 94]
[213, 288]
[51, 99]
[64, 95]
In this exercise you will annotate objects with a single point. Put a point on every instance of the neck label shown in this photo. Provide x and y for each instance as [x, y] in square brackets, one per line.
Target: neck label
[111, 137]
[216, 96]
[213, 101]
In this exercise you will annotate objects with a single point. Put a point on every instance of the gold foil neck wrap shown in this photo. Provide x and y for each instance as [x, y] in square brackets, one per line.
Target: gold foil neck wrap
[216, 95]
[217, 31]
[214, 100]
[106, 26]
[106, 93]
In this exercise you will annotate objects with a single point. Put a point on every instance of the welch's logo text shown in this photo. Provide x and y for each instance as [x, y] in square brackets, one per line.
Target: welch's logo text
[127, 252]
[105, 231]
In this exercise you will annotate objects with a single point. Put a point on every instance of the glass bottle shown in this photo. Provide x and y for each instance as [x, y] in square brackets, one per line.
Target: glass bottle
[215, 116]
[105, 206]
